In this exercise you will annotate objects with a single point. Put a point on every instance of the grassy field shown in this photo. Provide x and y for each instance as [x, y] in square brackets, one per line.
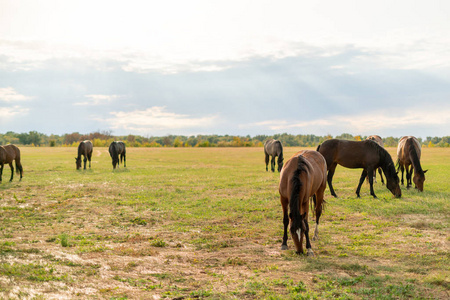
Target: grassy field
[184, 223]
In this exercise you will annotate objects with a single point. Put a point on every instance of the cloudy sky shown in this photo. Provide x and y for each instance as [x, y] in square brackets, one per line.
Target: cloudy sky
[225, 67]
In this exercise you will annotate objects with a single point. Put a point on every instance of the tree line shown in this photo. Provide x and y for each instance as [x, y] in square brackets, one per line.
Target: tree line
[104, 138]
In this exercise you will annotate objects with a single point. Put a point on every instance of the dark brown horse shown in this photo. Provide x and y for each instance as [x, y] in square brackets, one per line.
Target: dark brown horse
[408, 153]
[367, 155]
[273, 148]
[84, 148]
[116, 149]
[303, 177]
[379, 141]
[9, 153]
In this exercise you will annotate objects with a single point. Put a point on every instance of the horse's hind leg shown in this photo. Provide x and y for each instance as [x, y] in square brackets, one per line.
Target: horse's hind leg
[85, 160]
[1, 171]
[402, 168]
[272, 164]
[361, 180]
[409, 170]
[309, 251]
[12, 171]
[330, 178]
[267, 161]
[318, 209]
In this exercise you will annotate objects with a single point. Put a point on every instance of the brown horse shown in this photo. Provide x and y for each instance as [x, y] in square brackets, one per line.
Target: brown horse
[9, 153]
[117, 149]
[273, 148]
[303, 177]
[367, 155]
[379, 141]
[408, 153]
[84, 148]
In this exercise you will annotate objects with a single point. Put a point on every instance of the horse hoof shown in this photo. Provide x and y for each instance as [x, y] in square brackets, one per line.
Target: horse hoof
[310, 253]
[284, 247]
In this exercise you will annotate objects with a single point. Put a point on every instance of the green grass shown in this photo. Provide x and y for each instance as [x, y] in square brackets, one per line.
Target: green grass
[207, 223]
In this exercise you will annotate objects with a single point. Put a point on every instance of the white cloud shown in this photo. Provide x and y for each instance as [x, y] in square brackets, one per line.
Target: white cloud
[9, 94]
[8, 112]
[97, 100]
[156, 118]
[363, 123]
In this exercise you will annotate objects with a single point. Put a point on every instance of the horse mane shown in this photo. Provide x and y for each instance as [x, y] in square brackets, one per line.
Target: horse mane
[413, 155]
[386, 162]
[79, 149]
[297, 184]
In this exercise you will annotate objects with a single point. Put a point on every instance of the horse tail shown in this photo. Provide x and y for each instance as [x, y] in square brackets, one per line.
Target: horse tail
[280, 155]
[19, 168]
[296, 218]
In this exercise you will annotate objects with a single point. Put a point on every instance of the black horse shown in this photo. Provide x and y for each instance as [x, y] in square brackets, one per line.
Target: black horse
[367, 155]
[274, 148]
[84, 148]
[116, 149]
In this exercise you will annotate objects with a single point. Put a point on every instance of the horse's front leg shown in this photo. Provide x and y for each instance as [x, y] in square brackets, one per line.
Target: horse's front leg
[361, 180]
[85, 160]
[330, 179]
[272, 164]
[284, 206]
[381, 176]
[1, 171]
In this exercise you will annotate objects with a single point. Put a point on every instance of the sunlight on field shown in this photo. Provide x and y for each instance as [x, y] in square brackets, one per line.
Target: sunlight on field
[207, 223]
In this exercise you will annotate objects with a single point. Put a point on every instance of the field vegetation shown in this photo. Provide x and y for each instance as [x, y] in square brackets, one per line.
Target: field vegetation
[185, 223]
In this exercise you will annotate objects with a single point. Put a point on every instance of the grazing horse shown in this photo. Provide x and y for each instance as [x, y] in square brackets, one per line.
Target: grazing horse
[303, 176]
[9, 153]
[274, 148]
[116, 149]
[366, 155]
[379, 141]
[84, 148]
[408, 153]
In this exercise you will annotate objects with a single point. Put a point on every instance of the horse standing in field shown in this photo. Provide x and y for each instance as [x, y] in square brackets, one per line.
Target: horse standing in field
[379, 141]
[9, 153]
[303, 177]
[408, 153]
[366, 155]
[274, 148]
[116, 149]
[84, 148]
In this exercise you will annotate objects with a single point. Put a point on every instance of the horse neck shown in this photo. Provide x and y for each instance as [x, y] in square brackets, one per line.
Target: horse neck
[80, 150]
[415, 158]
[387, 165]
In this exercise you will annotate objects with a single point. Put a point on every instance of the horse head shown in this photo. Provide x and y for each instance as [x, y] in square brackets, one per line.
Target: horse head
[78, 162]
[392, 183]
[419, 179]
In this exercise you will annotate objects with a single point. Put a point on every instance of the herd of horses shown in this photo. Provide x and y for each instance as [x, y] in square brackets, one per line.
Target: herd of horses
[10, 153]
[303, 177]
[306, 173]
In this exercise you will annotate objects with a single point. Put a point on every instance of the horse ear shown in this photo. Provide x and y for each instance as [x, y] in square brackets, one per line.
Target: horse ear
[425, 171]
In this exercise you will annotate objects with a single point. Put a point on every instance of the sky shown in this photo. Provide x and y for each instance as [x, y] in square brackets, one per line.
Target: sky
[154, 68]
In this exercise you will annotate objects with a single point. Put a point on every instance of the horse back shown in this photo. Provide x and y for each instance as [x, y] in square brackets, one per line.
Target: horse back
[403, 148]
[11, 152]
[312, 179]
